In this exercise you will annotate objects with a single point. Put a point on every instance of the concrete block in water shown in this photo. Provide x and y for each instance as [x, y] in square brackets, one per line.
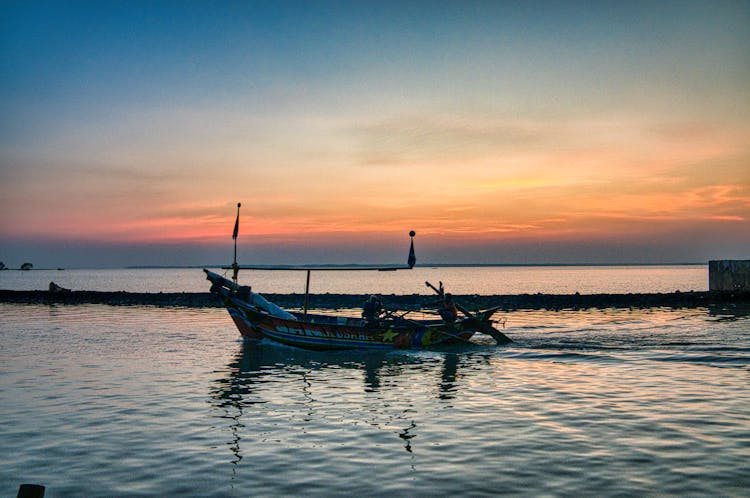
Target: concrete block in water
[31, 491]
[729, 275]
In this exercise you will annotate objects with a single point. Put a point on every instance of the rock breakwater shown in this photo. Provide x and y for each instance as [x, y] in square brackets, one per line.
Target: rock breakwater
[412, 302]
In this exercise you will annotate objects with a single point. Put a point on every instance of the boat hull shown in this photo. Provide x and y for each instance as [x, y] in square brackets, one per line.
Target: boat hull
[318, 333]
[258, 319]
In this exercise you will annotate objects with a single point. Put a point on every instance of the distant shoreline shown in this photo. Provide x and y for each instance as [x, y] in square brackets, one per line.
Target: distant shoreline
[439, 265]
[508, 302]
[425, 265]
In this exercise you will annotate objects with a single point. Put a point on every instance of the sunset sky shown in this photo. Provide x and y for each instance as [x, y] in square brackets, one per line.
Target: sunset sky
[502, 132]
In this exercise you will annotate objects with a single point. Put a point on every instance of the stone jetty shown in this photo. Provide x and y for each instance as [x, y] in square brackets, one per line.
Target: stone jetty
[410, 302]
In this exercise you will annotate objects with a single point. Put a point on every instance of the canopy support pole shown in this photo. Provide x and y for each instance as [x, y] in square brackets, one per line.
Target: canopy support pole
[307, 291]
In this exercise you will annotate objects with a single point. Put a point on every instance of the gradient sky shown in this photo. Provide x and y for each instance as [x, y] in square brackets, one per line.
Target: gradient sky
[502, 132]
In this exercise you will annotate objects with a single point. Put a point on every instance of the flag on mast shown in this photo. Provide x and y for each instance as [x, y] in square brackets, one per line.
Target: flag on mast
[237, 223]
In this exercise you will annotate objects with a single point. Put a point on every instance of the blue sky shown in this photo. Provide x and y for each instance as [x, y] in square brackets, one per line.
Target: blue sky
[597, 131]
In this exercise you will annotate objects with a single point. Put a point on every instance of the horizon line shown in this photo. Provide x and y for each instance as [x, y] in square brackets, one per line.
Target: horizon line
[423, 265]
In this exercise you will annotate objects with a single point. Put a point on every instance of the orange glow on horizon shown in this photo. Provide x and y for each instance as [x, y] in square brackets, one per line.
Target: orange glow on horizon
[602, 183]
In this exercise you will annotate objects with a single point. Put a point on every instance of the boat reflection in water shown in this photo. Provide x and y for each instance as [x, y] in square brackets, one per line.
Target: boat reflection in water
[281, 395]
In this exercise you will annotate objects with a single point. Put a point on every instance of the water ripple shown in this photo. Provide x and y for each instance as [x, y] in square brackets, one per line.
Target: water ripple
[148, 401]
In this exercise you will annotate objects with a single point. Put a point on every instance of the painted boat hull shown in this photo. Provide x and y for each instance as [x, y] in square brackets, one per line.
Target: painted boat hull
[318, 332]
[322, 332]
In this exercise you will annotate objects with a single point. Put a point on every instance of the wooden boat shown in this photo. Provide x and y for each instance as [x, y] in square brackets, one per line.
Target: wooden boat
[258, 319]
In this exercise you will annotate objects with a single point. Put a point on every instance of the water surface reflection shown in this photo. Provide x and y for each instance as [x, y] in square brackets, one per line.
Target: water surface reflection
[371, 383]
[136, 401]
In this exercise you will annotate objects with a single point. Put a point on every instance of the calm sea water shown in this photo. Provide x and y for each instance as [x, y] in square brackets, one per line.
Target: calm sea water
[144, 401]
[459, 280]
